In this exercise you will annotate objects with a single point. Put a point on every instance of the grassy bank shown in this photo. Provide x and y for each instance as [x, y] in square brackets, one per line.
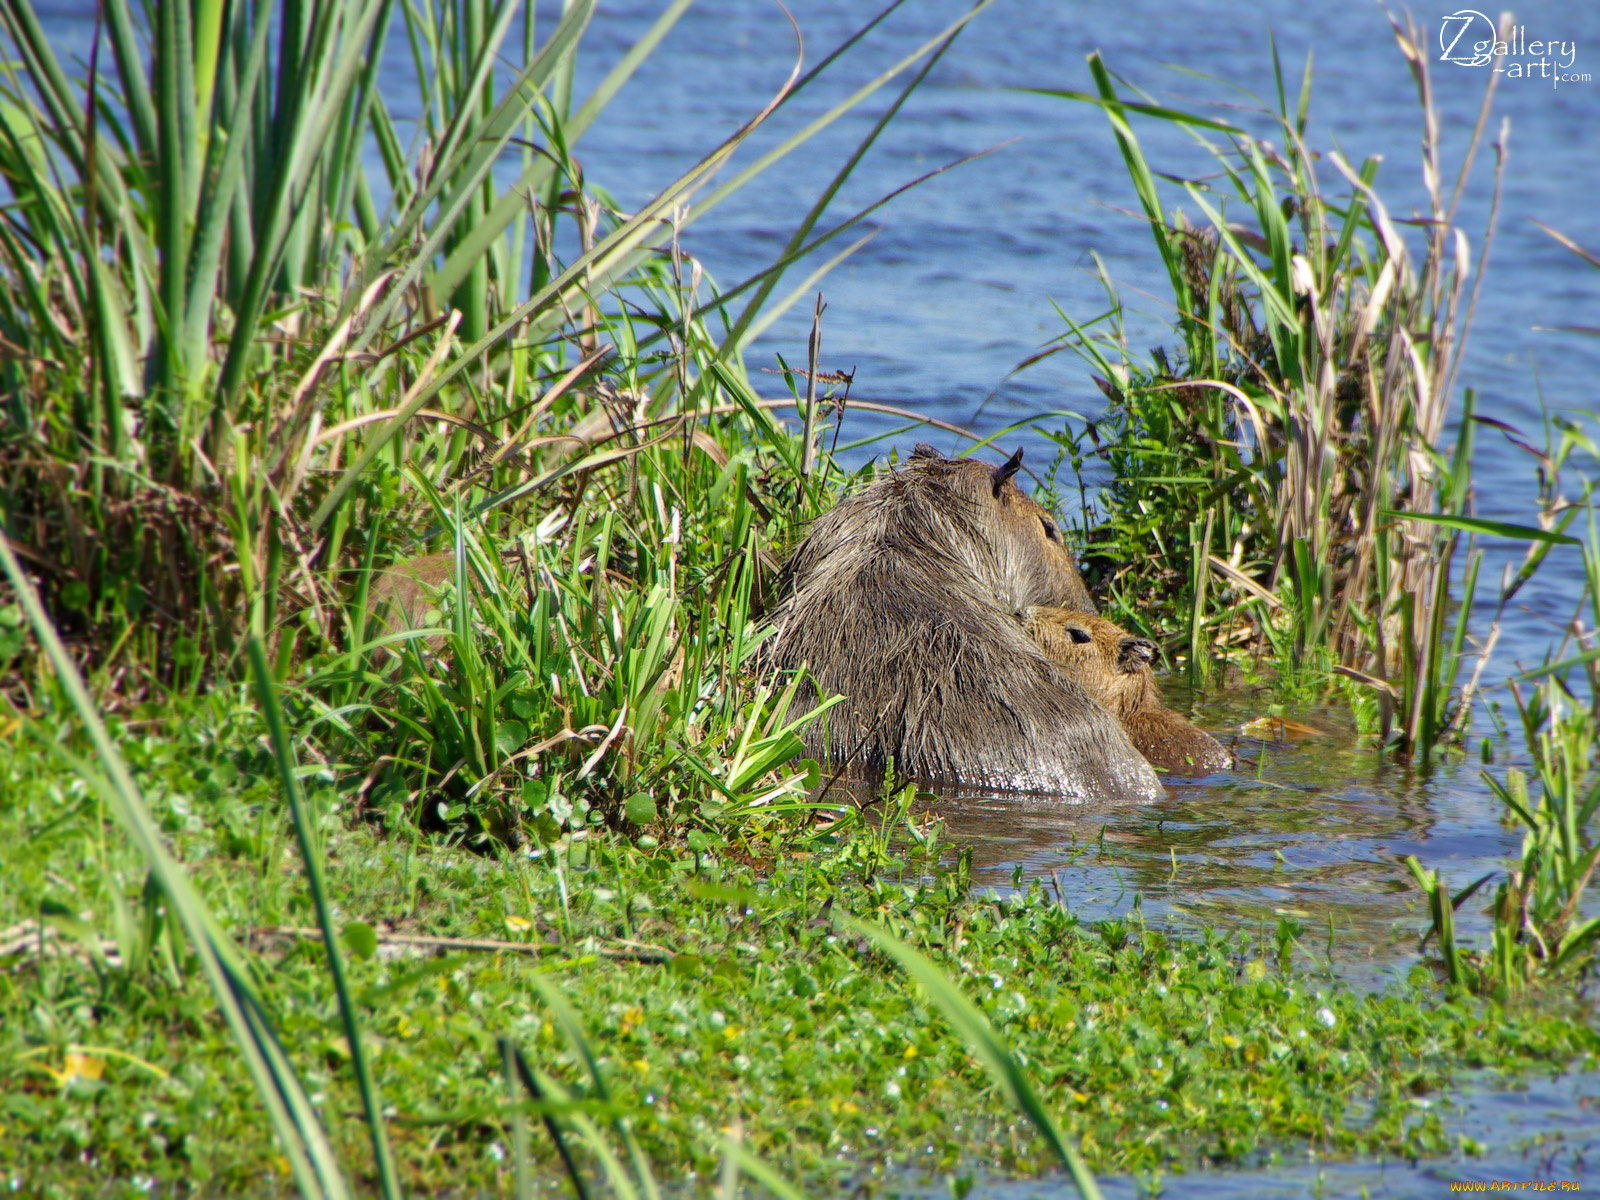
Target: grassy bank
[346, 861]
[719, 989]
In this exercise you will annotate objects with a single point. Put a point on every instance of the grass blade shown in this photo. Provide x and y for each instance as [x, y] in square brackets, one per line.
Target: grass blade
[312, 854]
[513, 202]
[741, 327]
[304, 1144]
[985, 1044]
[1479, 525]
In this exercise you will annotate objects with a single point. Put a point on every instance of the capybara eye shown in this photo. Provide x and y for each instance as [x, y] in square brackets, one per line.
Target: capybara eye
[1050, 530]
[1079, 634]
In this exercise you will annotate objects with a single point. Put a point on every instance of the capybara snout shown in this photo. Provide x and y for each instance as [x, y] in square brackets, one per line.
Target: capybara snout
[1116, 668]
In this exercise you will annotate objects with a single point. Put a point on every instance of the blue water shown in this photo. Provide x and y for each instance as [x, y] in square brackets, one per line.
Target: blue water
[960, 281]
[1510, 1133]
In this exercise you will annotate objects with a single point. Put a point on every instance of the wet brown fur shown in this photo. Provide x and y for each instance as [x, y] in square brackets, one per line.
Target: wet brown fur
[1115, 668]
[900, 599]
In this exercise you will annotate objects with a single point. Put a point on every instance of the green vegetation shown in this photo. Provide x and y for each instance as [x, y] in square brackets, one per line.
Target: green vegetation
[718, 990]
[535, 891]
[1285, 459]
[264, 355]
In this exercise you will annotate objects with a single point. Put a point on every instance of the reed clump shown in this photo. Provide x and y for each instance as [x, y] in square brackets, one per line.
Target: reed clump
[1287, 460]
[1544, 928]
[239, 307]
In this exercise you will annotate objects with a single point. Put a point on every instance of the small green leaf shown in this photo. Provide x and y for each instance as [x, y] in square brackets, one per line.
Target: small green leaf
[361, 939]
[640, 808]
[510, 736]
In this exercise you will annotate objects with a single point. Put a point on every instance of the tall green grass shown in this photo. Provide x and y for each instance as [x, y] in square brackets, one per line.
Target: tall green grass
[1544, 927]
[247, 1009]
[1287, 459]
[227, 353]
[239, 999]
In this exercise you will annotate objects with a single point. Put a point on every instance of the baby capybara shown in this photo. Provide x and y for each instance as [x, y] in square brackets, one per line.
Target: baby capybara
[1115, 668]
[900, 600]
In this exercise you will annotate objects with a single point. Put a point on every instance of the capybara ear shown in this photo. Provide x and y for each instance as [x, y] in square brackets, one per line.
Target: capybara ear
[1005, 471]
[923, 450]
[1135, 654]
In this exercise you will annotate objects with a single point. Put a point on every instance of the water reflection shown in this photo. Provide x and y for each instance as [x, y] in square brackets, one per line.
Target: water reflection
[1314, 830]
[1516, 1130]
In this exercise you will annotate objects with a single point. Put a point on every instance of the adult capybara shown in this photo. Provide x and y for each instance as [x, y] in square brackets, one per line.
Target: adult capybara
[1115, 668]
[900, 600]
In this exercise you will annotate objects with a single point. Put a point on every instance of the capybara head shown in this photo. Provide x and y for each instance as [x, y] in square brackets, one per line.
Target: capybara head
[1023, 536]
[1116, 668]
[899, 600]
[975, 512]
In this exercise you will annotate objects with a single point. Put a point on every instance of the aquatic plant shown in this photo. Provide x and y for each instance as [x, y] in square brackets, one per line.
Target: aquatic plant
[1286, 459]
[1543, 928]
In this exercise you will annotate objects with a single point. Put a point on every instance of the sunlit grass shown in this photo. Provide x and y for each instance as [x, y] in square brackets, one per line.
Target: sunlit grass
[717, 989]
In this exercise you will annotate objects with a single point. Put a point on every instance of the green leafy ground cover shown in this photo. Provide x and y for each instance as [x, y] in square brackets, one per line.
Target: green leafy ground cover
[719, 988]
